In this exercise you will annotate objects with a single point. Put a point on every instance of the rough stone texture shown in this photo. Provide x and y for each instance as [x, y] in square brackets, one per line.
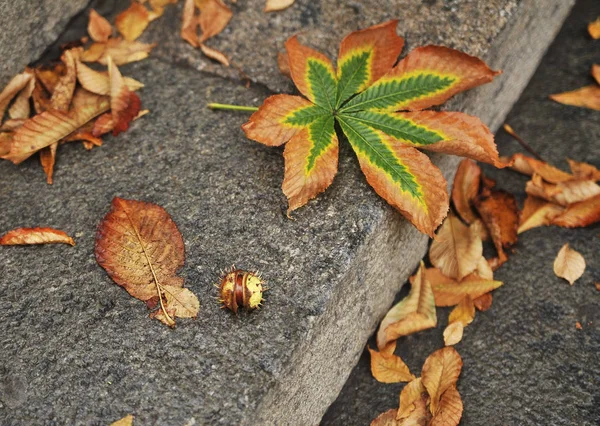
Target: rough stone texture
[28, 28]
[525, 363]
[78, 350]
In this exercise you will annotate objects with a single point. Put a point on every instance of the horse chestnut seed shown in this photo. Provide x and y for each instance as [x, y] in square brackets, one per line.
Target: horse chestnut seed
[241, 289]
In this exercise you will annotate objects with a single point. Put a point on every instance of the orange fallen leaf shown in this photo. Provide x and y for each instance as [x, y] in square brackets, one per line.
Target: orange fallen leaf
[440, 372]
[389, 368]
[465, 189]
[141, 249]
[411, 393]
[580, 214]
[124, 104]
[584, 170]
[578, 325]
[499, 212]
[125, 421]
[414, 313]
[189, 23]
[99, 82]
[98, 28]
[132, 22]
[450, 409]
[456, 250]
[563, 193]
[14, 86]
[449, 292]
[596, 72]
[214, 54]
[283, 64]
[530, 166]
[214, 17]
[537, 212]
[569, 264]
[585, 97]
[276, 5]
[26, 236]
[594, 28]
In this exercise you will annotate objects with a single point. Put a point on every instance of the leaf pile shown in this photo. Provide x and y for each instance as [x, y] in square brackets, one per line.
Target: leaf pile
[381, 108]
[431, 399]
[141, 249]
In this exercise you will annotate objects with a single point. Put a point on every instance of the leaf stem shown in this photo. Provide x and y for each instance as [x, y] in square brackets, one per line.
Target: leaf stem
[524, 144]
[232, 107]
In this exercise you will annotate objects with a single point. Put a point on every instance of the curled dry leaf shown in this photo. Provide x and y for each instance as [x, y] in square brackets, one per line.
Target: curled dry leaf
[453, 333]
[584, 97]
[276, 5]
[456, 250]
[563, 193]
[125, 421]
[26, 236]
[132, 22]
[389, 368]
[569, 264]
[414, 313]
[594, 29]
[14, 86]
[141, 249]
[440, 373]
[537, 212]
[499, 212]
[214, 54]
[450, 409]
[98, 28]
[411, 393]
[584, 171]
[449, 292]
[577, 215]
[465, 189]
[20, 109]
[189, 23]
[99, 82]
[530, 166]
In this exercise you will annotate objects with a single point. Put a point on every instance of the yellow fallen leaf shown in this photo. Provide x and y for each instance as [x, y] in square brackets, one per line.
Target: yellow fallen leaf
[569, 264]
[214, 54]
[411, 393]
[594, 28]
[386, 419]
[99, 83]
[276, 5]
[450, 409]
[440, 372]
[537, 212]
[449, 292]
[125, 421]
[132, 22]
[456, 250]
[389, 368]
[464, 312]
[585, 97]
[453, 333]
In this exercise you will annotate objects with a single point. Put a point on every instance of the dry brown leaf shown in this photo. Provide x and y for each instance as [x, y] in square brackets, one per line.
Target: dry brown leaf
[26, 236]
[569, 264]
[464, 312]
[414, 313]
[14, 86]
[141, 249]
[214, 54]
[65, 86]
[537, 212]
[276, 5]
[47, 160]
[440, 372]
[98, 28]
[214, 17]
[584, 170]
[411, 393]
[21, 109]
[386, 419]
[483, 303]
[585, 97]
[563, 193]
[121, 51]
[594, 28]
[283, 64]
[124, 104]
[453, 333]
[465, 189]
[448, 292]
[450, 409]
[132, 22]
[189, 23]
[580, 214]
[125, 421]
[456, 250]
[499, 212]
[389, 368]
[99, 83]
[530, 166]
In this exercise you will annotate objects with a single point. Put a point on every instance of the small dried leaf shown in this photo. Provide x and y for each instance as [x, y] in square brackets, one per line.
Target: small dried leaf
[448, 292]
[125, 421]
[584, 171]
[124, 104]
[464, 312]
[563, 193]
[456, 250]
[48, 159]
[453, 333]
[537, 212]
[580, 214]
[499, 212]
[594, 28]
[121, 51]
[141, 249]
[189, 23]
[99, 83]
[26, 236]
[132, 22]
[98, 28]
[466, 188]
[214, 54]
[94, 52]
[440, 372]
[13, 87]
[585, 97]
[450, 409]
[276, 5]
[214, 17]
[414, 313]
[389, 368]
[411, 393]
[569, 264]
[21, 108]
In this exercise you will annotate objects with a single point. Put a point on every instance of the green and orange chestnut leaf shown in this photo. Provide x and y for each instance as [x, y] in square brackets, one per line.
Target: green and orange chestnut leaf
[380, 107]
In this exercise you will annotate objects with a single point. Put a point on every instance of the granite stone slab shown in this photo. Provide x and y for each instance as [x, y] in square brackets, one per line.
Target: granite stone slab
[525, 362]
[76, 349]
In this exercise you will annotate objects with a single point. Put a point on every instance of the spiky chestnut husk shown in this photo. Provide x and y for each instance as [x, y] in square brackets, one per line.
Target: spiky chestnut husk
[241, 289]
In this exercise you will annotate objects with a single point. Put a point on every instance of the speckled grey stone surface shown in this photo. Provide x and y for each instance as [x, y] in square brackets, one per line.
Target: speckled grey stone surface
[525, 363]
[28, 27]
[76, 349]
